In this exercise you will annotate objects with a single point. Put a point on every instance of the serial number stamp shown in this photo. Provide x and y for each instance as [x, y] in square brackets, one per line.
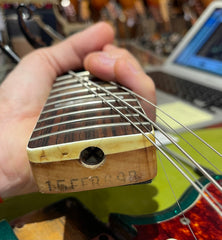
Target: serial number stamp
[93, 182]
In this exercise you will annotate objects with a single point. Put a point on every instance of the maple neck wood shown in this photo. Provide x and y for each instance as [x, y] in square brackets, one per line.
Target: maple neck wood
[81, 122]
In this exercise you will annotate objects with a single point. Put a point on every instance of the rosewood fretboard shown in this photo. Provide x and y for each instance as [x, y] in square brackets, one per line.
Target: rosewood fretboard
[91, 134]
[75, 113]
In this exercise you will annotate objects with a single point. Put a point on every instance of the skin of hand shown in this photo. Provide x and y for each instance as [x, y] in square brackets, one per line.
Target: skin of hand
[25, 90]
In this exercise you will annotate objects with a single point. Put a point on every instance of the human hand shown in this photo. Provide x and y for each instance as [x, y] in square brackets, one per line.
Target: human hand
[24, 93]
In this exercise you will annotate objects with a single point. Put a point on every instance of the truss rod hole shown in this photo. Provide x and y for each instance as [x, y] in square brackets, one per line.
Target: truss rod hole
[92, 156]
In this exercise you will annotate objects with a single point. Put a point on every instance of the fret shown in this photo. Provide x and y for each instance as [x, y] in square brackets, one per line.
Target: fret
[84, 119]
[82, 104]
[65, 94]
[79, 116]
[85, 135]
[68, 76]
[66, 108]
[81, 112]
[87, 128]
[57, 102]
[65, 82]
[74, 86]
[63, 78]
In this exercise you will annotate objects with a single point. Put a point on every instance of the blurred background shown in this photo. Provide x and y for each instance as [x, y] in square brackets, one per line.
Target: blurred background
[150, 29]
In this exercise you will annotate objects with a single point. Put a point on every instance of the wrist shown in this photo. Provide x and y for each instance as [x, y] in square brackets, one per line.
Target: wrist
[16, 187]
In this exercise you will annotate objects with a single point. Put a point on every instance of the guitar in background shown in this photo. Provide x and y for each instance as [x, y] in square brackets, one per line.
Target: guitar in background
[194, 215]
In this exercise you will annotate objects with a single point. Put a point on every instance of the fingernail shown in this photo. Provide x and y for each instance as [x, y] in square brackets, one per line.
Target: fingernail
[106, 59]
[132, 67]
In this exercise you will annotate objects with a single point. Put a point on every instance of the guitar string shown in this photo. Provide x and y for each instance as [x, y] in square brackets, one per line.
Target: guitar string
[83, 128]
[172, 162]
[199, 183]
[186, 169]
[79, 120]
[65, 89]
[76, 113]
[210, 178]
[58, 102]
[76, 104]
[187, 221]
[175, 197]
[99, 88]
[187, 177]
[195, 149]
[181, 162]
[193, 166]
[76, 91]
[146, 100]
[181, 137]
[170, 117]
[87, 73]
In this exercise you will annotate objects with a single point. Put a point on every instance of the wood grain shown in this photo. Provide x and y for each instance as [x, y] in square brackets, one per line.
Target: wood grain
[79, 115]
[118, 169]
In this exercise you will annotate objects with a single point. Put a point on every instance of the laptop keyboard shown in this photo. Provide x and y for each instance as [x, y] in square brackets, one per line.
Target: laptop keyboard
[196, 94]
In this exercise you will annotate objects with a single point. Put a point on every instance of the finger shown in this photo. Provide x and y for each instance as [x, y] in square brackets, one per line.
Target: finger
[114, 64]
[70, 53]
[131, 75]
[102, 63]
[28, 86]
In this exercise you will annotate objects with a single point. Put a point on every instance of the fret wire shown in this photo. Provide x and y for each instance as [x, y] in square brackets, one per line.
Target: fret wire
[79, 112]
[58, 102]
[68, 82]
[120, 124]
[172, 162]
[73, 86]
[191, 181]
[73, 92]
[82, 90]
[79, 98]
[71, 80]
[179, 169]
[79, 120]
[195, 135]
[166, 114]
[80, 104]
[65, 81]
[64, 77]
[136, 116]
[210, 178]
[70, 86]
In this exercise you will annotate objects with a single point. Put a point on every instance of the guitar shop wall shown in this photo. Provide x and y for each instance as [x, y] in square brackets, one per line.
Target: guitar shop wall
[150, 29]
[145, 27]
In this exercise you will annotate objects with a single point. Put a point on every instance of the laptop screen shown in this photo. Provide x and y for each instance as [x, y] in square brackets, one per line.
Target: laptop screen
[204, 51]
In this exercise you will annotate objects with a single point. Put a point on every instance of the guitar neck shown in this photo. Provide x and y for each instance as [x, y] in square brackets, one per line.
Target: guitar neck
[82, 121]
